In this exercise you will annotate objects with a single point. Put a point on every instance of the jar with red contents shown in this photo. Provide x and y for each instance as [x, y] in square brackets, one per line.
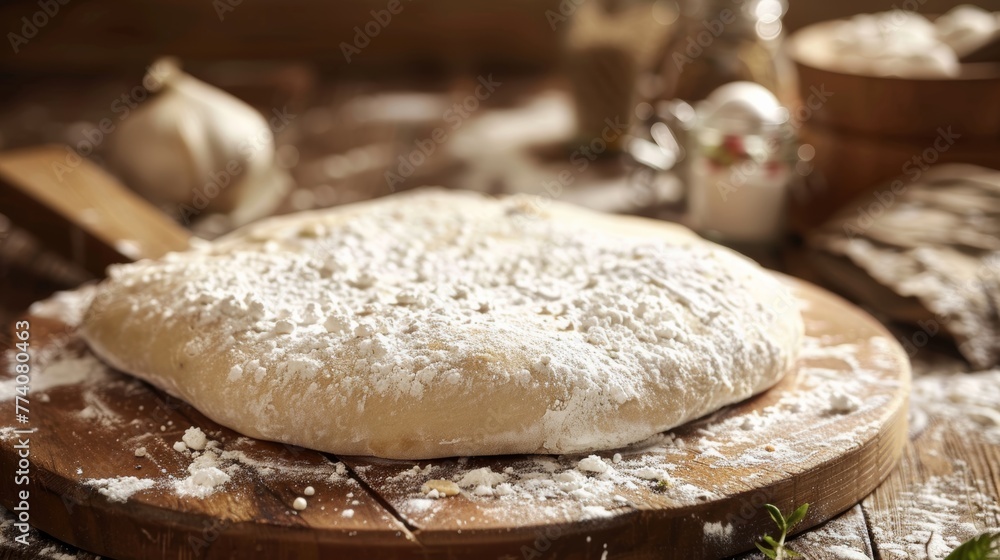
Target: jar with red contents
[741, 161]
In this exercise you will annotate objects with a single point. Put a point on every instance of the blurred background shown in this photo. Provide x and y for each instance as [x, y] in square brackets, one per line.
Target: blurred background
[810, 135]
[442, 36]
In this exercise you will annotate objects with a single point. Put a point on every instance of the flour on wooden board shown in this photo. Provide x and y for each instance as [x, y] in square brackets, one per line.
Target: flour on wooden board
[210, 469]
[587, 480]
[587, 486]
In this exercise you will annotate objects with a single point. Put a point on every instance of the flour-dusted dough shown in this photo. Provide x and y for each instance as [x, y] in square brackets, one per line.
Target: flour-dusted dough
[440, 323]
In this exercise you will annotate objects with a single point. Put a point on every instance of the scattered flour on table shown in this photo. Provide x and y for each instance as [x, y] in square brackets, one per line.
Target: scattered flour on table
[840, 538]
[67, 307]
[98, 410]
[53, 553]
[211, 468]
[339, 473]
[969, 401]
[204, 475]
[932, 517]
[120, 489]
[65, 361]
[823, 395]
[937, 515]
[587, 487]
[195, 439]
[841, 552]
[49, 371]
[718, 531]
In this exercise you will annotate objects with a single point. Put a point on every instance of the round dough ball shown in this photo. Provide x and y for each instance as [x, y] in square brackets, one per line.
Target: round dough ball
[442, 323]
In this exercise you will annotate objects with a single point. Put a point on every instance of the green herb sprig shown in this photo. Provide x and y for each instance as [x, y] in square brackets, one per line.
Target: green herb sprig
[775, 549]
[983, 547]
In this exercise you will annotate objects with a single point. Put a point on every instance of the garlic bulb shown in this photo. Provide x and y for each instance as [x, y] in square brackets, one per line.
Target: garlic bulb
[195, 149]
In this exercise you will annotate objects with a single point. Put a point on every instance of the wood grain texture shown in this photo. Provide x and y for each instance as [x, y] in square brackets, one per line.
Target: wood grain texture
[946, 487]
[91, 433]
[80, 212]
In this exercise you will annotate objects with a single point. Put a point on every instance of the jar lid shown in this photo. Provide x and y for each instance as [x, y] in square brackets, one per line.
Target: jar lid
[742, 108]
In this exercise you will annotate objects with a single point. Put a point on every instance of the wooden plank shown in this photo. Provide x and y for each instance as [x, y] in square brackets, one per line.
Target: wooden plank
[946, 487]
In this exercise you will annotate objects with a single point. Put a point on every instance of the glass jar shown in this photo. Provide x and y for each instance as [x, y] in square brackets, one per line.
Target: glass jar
[720, 41]
[739, 183]
[741, 162]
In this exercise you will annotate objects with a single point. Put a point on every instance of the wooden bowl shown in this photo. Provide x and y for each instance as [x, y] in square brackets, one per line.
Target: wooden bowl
[847, 165]
[891, 106]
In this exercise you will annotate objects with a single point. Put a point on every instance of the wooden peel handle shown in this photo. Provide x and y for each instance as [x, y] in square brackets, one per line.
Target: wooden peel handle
[80, 211]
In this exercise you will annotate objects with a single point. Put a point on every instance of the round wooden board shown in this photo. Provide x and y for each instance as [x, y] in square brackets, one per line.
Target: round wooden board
[793, 444]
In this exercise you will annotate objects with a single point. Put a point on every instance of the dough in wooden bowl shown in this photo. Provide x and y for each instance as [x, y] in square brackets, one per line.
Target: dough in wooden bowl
[442, 323]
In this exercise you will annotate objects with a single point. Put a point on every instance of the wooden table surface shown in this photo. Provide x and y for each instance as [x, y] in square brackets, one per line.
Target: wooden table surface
[947, 485]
